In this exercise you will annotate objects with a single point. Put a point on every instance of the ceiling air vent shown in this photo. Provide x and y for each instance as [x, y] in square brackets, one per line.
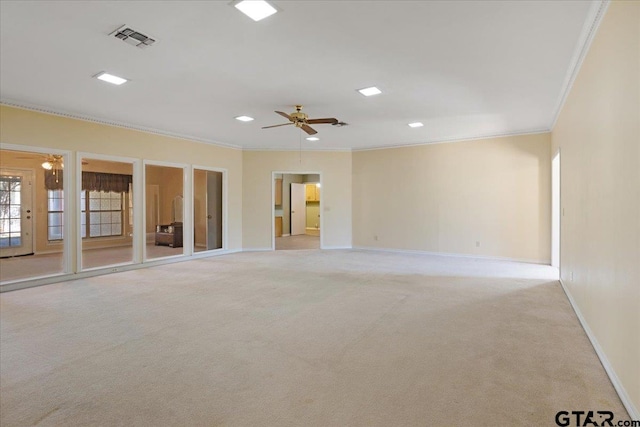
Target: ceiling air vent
[132, 37]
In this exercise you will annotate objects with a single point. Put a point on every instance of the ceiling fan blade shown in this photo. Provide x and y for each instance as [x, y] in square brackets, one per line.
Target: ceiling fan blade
[275, 126]
[308, 129]
[331, 121]
[285, 115]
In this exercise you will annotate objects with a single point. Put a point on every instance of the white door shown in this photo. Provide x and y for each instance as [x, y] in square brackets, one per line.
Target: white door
[16, 216]
[298, 209]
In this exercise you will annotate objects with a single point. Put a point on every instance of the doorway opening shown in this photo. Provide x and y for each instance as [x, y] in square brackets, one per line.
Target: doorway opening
[555, 211]
[297, 198]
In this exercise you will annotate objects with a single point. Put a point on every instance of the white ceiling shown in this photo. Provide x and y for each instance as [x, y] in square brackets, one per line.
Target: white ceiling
[465, 69]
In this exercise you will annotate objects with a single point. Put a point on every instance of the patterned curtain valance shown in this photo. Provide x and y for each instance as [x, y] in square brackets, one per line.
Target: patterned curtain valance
[98, 181]
[92, 181]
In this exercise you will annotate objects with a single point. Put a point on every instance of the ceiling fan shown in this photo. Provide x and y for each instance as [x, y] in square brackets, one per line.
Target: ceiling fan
[302, 121]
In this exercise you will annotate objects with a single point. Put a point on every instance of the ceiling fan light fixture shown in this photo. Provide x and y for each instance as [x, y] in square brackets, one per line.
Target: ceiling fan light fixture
[370, 91]
[313, 138]
[47, 165]
[244, 118]
[110, 78]
[255, 9]
[416, 125]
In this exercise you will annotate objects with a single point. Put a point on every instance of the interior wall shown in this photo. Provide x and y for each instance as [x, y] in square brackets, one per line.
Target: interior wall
[489, 197]
[258, 166]
[29, 128]
[598, 134]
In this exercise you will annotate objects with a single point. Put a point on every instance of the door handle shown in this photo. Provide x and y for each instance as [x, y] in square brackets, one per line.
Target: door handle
[293, 211]
[28, 210]
[28, 217]
[209, 217]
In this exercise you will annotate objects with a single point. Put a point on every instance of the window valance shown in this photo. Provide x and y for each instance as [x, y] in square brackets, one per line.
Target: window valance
[92, 181]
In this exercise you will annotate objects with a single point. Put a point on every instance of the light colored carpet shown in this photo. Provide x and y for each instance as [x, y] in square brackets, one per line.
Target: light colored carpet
[302, 241]
[25, 267]
[300, 338]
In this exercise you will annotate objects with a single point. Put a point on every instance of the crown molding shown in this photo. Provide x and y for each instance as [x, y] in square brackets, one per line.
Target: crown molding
[592, 23]
[459, 139]
[87, 118]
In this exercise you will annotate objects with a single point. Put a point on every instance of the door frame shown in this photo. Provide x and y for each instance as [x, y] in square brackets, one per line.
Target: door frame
[273, 201]
[225, 195]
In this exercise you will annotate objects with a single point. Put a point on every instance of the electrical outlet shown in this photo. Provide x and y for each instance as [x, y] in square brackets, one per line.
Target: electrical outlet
[477, 244]
[375, 237]
[571, 277]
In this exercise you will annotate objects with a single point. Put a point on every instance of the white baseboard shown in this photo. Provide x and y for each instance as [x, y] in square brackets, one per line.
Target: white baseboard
[493, 258]
[256, 249]
[286, 235]
[336, 247]
[622, 393]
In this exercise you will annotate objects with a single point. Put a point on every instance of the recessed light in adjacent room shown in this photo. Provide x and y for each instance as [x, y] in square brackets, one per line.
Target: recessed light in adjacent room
[313, 138]
[415, 125]
[110, 78]
[244, 118]
[255, 9]
[370, 91]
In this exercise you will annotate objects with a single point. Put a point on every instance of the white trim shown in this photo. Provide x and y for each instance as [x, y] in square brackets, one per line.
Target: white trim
[331, 248]
[286, 235]
[592, 23]
[306, 150]
[617, 384]
[87, 118]
[257, 250]
[487, 257]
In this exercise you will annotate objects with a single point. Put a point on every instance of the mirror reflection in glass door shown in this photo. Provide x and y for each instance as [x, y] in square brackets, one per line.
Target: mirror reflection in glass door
[207, 210]
[164, 211]
[31, 215]
[106, 213]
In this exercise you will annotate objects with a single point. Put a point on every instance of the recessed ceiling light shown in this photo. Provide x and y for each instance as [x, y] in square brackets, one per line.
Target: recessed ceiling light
[255, 9]
[415, 125]
[313, 138]
[370, 91]
[244, 118]
[110, 78]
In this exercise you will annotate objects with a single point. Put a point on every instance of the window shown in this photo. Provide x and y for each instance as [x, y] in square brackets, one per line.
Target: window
[55, 207]
[102, 213]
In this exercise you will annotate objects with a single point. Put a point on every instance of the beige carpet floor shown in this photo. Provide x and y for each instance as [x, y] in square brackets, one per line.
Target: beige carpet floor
[300, 338]
[24, 267]
[302, 241]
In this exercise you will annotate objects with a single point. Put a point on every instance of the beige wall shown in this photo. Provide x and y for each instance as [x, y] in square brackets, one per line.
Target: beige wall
[598, 133]
[29, 128]
[257, 217]
[446, 197]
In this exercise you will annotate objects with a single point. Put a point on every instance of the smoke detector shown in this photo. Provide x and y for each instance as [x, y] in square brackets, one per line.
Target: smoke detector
[132, 37]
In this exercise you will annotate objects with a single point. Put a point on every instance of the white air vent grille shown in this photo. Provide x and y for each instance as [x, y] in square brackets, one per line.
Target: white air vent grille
[133, 37]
